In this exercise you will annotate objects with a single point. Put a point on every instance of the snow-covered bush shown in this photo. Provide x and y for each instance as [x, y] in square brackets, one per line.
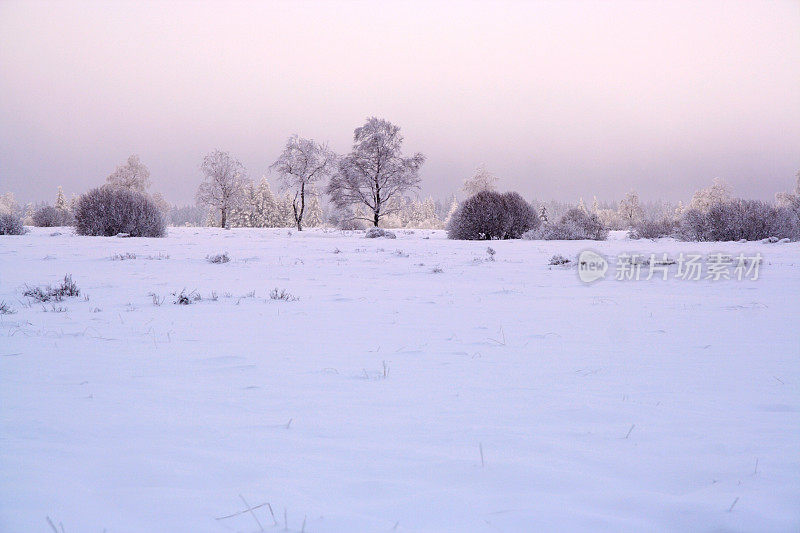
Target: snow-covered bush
[735, 220]
[281, 294]
[489, 215]
[185, 298]
[11, 224]
[109, 211]
[521, 217]
[48, 216]
[652, 228]
[66, 289]
[218, 258]
[558, 260]
[374, 233]
[576, 224]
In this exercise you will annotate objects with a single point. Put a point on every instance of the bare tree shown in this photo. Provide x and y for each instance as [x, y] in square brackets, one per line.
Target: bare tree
[302, 164]
[481, 180]
[133, 175]
[224, 184]
[375, 172]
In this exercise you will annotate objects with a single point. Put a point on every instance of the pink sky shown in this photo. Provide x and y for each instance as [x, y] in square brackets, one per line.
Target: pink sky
[559, 99]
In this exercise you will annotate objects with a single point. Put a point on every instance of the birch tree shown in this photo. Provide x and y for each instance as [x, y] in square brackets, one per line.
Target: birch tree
[224, 184]
[302, 164]
[481, 180]
[375, 172]
[133, 175]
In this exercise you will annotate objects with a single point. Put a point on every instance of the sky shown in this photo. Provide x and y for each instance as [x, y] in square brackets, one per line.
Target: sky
[560, 99]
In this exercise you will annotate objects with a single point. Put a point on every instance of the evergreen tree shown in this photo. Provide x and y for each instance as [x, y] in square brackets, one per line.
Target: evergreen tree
[61, 202]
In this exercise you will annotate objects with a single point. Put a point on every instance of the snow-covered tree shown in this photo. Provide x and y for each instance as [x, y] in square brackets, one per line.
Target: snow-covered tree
[8, 205]
[223, 186]
[285, 216]
[302, 164]
[27, 218]
[73, 202]
[161, 203]
[133, 175]
[61, 202]
[610, 219]
[481, 180]
[595, 205]
[719, 192]
[629, 209]
[375, 172]
[314, 215]
[790, 200]
[453, 207]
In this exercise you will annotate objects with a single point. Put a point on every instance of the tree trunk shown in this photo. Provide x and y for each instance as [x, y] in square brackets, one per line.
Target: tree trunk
[377, 210]
[298, 217]
[223, 217]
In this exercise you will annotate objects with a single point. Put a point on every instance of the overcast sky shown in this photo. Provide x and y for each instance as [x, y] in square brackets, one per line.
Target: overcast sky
[560, 99]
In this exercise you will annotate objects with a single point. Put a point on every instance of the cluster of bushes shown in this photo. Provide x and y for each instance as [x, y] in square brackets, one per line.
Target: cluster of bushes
[576, 224]
[735, 220]
[67, 289]
[489, 215]
[110, 211]
[48, 216]
[11, 224]
[653, 228]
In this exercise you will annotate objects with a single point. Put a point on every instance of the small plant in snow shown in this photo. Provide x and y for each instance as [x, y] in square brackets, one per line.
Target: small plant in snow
[559, 259]
[157, 256]
[122, 257]
[437, 270]
[186, 298]
[157, 300]
[400, 253]
[281, 294]
[66, 289]
[6, 309]
[490, 252]
[218, 258]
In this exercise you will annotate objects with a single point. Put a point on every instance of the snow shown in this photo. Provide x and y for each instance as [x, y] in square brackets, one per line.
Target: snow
[368, 403]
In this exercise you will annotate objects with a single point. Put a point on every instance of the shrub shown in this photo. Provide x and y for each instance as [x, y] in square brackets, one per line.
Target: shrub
[490, 215]
[48, 216]
[576, 224]
[66, 289]
[351, 224]
[521, 216]
[281, 294]
[218, 258]
[185, 298]
[652, 228]
[558, 259]
[374, 233]
[11, 224]
[735, 220]
[109, 211]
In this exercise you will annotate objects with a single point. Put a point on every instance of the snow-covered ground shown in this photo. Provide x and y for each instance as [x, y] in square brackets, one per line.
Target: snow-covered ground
[499, 395]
